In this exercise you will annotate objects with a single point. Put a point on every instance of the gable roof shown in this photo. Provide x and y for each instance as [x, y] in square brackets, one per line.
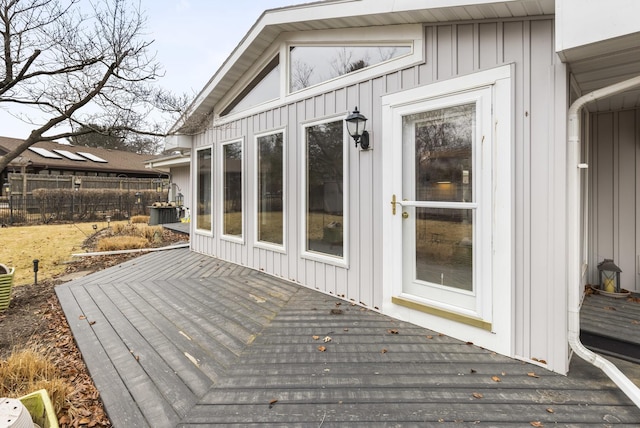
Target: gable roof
[116, 161]
[340, 14]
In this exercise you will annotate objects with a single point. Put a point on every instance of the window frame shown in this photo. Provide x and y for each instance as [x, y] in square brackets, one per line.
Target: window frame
[210, 231]
[342, 261]
[410, 34]
[264, 244]
[221, 197]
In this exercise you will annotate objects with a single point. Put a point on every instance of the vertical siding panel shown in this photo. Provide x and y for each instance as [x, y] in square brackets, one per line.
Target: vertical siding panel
[425, 71]
[330, 103]
[488, 45]
[636, 270]
[541, 150]
[293, 193]
[408, 78]
[466, 48]
[392, 81]
[513, 35]
[319, 107]
[444, 53]
[626, 195]
[326, 274]
[604, 185]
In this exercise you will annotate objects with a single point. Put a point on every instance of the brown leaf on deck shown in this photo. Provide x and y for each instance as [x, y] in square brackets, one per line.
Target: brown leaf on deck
[496, 379]
[322, 348]
[477, 395]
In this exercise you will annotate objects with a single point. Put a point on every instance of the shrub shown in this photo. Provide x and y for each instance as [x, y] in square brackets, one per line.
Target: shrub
[140, 219]
[114, 243]
[28, 370]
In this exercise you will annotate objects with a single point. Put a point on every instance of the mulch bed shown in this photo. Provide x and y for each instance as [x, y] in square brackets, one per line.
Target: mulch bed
[35, 319]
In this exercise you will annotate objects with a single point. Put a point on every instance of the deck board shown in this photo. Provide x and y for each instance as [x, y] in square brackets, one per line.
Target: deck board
[217, 342]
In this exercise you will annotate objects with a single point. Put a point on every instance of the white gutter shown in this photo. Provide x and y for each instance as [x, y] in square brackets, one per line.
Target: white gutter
[574, 168]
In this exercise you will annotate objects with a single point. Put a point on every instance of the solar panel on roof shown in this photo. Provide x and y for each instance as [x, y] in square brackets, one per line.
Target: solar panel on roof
[92, 157]
[69, 155]
[45, 153]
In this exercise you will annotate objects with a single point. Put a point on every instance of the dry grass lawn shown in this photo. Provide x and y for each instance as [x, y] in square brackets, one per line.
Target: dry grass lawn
[52, 245]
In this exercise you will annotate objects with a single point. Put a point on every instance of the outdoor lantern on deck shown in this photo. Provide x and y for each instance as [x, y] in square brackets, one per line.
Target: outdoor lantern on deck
[609, 276]
[356, 124]
[179, 199]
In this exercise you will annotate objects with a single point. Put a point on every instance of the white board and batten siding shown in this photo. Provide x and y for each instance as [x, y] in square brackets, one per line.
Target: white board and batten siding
[615, 202]
[538, 163]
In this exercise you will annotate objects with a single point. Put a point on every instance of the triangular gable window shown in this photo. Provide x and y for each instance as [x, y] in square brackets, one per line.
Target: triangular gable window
[265, 87]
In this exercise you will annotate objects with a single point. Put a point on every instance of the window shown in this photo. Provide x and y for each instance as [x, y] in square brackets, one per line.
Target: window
[232, 189]
[204, 189]
[325, 189]
[310, 65]
[265, 87]
[270, 197]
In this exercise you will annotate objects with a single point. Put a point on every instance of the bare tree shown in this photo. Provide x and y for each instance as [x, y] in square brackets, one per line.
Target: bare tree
[79, 67]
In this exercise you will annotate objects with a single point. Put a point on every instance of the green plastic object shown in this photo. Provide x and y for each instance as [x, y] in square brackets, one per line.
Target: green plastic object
[40, 408]
[6, 282]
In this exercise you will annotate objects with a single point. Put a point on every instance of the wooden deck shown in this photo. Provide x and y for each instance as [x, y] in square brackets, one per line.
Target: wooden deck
[612, 326]
[175, 338]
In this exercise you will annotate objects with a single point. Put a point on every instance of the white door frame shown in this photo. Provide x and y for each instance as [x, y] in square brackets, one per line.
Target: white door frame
[493, 327]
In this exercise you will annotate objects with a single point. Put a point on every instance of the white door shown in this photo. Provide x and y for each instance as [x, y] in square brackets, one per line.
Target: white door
[446, 201]
[448, 259]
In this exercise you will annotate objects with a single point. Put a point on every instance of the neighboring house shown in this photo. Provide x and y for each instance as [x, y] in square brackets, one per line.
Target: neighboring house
[177, 167]
[472, 212]
[52, 158]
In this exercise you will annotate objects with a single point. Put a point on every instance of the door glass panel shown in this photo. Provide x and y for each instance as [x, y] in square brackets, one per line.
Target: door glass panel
[439, 169]
[232, 218]
[444, 247]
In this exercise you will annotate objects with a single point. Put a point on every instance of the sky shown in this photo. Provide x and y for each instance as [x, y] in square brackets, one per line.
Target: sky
[192, 38]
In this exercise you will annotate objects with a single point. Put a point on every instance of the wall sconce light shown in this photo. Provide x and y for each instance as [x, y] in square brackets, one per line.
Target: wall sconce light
[138, 196]
[77, 182]
[7, 188]
[356, 124]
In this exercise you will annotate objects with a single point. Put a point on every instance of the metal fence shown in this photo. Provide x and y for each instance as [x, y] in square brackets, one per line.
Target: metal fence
[18, 209]
[37, 199]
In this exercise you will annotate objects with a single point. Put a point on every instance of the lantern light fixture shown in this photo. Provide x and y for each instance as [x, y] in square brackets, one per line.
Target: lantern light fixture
[609, 276]
[356, 126]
